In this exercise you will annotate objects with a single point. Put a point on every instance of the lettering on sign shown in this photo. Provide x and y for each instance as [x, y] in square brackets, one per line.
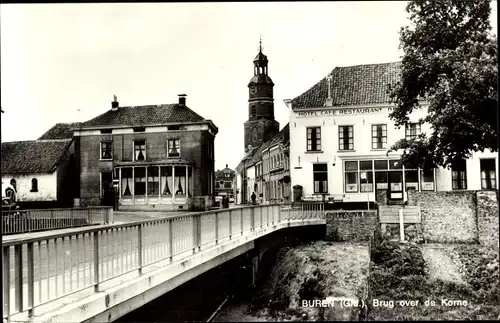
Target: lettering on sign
[344, 111]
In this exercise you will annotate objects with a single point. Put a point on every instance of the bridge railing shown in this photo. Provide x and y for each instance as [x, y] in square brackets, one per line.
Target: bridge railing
[51, 265]
[21, 221]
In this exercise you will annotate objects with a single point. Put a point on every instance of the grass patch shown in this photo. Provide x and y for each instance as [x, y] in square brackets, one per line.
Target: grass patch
[399, 272]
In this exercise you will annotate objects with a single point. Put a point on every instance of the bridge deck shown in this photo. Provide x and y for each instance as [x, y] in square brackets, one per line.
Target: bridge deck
[63, 267]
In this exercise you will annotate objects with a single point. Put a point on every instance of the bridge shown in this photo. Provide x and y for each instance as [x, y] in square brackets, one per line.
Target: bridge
[98, 274]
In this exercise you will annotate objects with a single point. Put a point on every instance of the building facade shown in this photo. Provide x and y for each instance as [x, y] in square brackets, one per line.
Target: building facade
[40, 172]
[224, 182]
[340, 133]
[264, 169]
[157, 156]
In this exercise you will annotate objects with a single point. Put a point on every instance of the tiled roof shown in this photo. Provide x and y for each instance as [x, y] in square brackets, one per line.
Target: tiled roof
[245, 159]
[33, 156]
[222, 172]
[282, 137]
[145, 115]
[352, 85]
[60, 131]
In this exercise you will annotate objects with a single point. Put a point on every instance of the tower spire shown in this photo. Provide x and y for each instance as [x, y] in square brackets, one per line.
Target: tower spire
[260, 44]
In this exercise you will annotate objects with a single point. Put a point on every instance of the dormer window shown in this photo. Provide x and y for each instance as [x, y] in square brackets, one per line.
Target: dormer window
[139, 150]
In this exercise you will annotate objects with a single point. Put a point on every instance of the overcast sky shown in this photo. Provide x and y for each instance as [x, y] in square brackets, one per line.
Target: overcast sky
[64, 62]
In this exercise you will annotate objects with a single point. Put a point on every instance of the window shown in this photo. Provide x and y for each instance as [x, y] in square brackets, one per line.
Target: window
[366, 176]
[346, 138]
[379, 136]
[320, 177]
[314, 139]
[139, 129]
[488, 174]
[427, 180]
[34, 185]
[106, 152]
[253, 111]
[126, 187]
[411, 179]
[227, 185]
[139, 181]
[174, 148]
[351, 176]
[412, 131]
[459, 176]
[153, 181]
[139, 149]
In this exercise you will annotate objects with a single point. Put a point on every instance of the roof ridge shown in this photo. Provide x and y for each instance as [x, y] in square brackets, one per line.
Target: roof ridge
[38, 140]
[371, 64]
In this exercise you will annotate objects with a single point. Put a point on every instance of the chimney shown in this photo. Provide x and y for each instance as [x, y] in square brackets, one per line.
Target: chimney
[329, 100]
[182, 99]
[114, 104]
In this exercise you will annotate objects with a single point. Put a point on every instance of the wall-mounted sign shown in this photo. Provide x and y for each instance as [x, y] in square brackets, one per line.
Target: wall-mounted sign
[312, 198]
[344, 111]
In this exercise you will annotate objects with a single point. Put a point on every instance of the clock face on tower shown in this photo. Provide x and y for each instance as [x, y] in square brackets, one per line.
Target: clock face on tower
[253, 90]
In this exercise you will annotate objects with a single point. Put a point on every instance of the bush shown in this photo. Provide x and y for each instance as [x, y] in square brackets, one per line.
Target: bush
[310, 289]
[479, 266]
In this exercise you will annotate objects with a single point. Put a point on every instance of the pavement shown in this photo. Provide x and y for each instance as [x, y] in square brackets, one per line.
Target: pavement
[131, 216]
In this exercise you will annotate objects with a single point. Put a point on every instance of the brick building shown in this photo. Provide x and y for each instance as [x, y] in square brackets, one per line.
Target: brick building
[160, 157]
[224, 182]
[340, 133]
[264, 167]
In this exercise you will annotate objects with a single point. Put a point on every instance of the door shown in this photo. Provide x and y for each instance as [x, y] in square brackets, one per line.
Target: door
[395, 187]
[107, 188]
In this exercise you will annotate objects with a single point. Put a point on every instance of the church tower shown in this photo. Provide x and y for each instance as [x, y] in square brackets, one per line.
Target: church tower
[261, 125]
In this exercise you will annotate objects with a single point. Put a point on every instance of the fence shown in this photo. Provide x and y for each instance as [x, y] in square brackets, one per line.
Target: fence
[391, 215]
[39, 270]
[21, 221]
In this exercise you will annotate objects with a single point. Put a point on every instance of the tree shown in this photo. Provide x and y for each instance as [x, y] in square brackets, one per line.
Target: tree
[449, 67]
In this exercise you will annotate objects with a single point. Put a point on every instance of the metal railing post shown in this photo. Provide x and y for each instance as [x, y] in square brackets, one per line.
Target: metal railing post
[170, 240]
[241, 220]
[139, 248]
[230, 224]
[96, 261]
[252, 219]
[6, 282]
[31, 281]
[196, 232]
[18, 274]
[217, 228]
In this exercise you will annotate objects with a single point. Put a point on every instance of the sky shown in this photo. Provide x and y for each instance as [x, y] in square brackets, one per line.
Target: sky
[64, 62]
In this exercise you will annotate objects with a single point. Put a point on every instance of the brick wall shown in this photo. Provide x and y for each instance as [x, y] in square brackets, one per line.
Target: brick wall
[258, 131]
[487, 213]
[193, 147]
[350, 225]
[447, 217]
